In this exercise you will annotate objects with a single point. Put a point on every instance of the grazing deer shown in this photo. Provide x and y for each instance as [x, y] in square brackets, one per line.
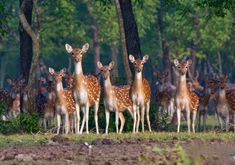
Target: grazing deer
[140, 94]
[86, 89]
[64, 104]
[116, 98]
[164, 95]
[184, 98]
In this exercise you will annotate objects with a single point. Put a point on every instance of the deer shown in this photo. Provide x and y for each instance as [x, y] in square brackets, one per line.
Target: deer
[185, 100]
[165, 93]
[15, 108]
[116, 98]
[64, 104]
[49, 109]
[140, 94]
[86, 89]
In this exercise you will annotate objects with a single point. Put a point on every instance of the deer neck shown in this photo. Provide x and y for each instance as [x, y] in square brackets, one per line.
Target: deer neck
[79, 77]
[107, 87]
[59, 92]
[221, 96]
[182, 85]
[138, 81]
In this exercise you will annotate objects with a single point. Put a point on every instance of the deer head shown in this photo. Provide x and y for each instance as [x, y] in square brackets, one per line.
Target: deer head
[162, 78]
[105, 70]
[57, 75]
[182, 68]
[77, 53]
[138, 64]
[194, 81]
[222, 82]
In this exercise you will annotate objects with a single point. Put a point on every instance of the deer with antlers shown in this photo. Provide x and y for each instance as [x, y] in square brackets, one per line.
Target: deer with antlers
[64, 104]
[185, 100]
[86, 89]
[116, 98]
[140, 94]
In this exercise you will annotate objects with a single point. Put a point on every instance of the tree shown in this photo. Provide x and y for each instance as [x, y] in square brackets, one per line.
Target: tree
[25, 40]
[35, 36]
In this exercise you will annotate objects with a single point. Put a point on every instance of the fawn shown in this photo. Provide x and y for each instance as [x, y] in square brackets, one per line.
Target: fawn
[116, 98]
[140, 94]
[86, 89]
[64, 104]
[184, 98]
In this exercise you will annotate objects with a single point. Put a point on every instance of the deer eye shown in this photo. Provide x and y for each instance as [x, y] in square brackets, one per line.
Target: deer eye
[179, 67]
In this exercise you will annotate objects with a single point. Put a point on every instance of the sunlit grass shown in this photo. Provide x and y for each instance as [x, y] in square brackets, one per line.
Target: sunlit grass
[28, 139]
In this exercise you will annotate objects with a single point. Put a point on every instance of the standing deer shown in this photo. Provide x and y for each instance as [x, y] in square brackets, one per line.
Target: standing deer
[140, 94]
[65, 104]
[116, 98]
[185, 100]
[86, 90]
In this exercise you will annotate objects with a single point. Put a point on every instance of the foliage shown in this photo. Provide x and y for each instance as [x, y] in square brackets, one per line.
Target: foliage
[23, 123]
[3, 108]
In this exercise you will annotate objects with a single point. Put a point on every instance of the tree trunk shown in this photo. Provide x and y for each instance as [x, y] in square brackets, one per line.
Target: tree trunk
[220, 63]
[164, 43]
[36, 51]
[26, 51]
[130, 28]
[4, 62]
[114, 52]
[193, 58]
[123, 42]
[96, 41]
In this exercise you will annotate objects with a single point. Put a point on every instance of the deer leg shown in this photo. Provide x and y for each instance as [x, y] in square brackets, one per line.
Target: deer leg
[204, 120]
[134, 117]
[188, 118]
[193, 120]
[66, 120]
[138, 119]
[87, 118]
[227, 123]
[198, 120]
[178, 119]
[116, 120]
[147, 116]
[107, 114]
[220, 122]
[45, 123]
[78, 118]
[142, 117]
[96, 108]
[83, 119]
[58, 116]
[122, 118]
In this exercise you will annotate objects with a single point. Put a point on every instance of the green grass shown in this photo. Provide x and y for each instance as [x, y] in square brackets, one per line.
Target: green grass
[29, 139]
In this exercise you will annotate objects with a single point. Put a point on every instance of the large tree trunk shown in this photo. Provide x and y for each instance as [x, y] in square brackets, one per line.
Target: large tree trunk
[26, 51]
[36, 51]
[130, 28]
[164, 43]
[193, 57]
[114, 52]
[123, 42]
[96, 41]
[4, 62]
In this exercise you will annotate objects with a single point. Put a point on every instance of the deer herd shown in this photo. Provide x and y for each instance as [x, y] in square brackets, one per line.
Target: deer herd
[84, 91]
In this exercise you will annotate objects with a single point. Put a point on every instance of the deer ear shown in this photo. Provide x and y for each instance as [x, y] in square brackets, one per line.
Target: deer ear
[68, 48]
[9, 81]
[176, 62]
[145, 58]
[189, 62]
[51, 71]
[99, 65]
[111, 65]
[131, 58]
[85, 47]
[64, 71]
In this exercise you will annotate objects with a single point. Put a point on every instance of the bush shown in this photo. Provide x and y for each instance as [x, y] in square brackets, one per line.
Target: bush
[23, 123]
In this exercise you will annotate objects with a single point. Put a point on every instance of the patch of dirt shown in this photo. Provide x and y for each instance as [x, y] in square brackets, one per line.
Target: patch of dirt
[107, 152]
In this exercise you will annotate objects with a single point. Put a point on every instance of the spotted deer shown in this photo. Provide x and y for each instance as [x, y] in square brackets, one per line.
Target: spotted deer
[185, 100]
[86, 89]
[64, 104]
[116, 98]
[164, 96]
[140, 94]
